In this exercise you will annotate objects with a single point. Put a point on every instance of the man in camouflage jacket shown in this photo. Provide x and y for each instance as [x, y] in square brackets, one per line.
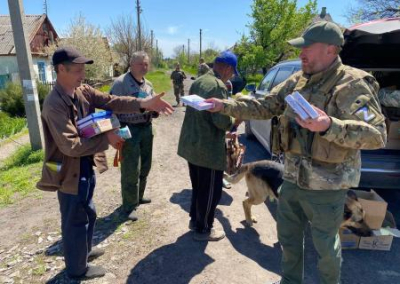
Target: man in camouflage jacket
[322, 155]
[177, 77]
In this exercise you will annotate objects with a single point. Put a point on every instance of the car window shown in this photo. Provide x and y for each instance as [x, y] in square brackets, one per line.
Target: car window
[282, 75]
[267, 81]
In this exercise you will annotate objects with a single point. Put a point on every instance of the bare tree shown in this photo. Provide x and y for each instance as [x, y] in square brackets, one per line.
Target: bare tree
[123, 35]
[368, 10]
[90, 41]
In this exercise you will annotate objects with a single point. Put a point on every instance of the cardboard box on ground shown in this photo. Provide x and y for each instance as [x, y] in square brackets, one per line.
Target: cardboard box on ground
[393, 138]
[376, 217]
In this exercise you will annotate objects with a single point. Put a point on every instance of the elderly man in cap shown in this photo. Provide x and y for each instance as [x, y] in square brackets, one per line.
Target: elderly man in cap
[322, 155]
[69, 159]
[202, 144]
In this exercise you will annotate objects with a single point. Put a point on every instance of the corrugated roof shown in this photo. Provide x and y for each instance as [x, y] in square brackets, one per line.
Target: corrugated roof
[31, 25]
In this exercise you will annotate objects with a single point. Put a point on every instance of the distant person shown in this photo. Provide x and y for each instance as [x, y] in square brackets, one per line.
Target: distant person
[203, 68]
[177, 77]
[136, 151]
[202, 145]
[69, 159]
[322, 155]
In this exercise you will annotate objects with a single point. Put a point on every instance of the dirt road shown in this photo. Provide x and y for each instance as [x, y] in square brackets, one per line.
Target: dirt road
[159, 248]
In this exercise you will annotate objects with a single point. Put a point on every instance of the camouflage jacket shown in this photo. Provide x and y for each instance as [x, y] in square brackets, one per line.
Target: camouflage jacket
[389, 98]
[202, 138]
[332, 160]
[177, 77]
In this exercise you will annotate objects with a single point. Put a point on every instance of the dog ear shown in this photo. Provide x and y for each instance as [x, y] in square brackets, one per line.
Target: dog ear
[351, 194]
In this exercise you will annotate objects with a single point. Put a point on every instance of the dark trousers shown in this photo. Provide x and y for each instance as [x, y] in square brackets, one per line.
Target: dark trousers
[207, 190]
[78, 217]
[135, 165]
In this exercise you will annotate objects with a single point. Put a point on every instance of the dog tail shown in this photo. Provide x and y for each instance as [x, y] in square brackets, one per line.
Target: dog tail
[235, 178]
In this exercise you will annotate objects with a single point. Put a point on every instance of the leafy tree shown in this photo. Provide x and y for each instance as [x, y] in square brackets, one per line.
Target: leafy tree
[90, 41]
[368, 10]
[274, 23]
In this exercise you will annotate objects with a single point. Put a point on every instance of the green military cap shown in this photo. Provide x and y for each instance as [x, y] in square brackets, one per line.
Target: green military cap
[322, 31]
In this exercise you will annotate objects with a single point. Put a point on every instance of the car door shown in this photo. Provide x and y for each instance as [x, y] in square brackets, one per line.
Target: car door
[262, 128]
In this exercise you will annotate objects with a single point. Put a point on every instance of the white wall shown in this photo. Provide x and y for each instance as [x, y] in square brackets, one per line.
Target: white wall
[9, 65]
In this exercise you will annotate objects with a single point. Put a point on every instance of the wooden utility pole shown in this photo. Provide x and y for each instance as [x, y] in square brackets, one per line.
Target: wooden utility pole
[157, 51]
[151, 39]
[200, 43]
[138, 11]
[26, 74]
[45, 7]
[188, 53]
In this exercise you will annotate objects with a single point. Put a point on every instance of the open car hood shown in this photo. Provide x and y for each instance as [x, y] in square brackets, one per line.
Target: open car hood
[373, 45]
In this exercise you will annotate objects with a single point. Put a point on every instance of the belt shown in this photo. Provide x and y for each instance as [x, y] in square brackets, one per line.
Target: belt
[136, 119]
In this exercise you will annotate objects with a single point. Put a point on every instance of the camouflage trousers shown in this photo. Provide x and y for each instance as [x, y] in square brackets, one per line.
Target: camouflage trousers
[136, 164]
[178, 92]
[323, 209]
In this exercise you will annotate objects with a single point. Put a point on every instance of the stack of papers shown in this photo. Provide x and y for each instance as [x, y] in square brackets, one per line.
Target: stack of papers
[301, 106]
[196, 102]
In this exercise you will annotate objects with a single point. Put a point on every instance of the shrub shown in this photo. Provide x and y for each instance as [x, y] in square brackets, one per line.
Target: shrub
[9, 125]
[11, 98]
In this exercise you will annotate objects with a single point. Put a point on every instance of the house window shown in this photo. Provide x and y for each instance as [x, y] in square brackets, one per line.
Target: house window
[42, 71]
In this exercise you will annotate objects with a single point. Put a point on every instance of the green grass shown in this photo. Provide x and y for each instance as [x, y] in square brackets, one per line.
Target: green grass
[19, 174]
[190, 70]
[160, 79]
[10, 125]
[105, 89]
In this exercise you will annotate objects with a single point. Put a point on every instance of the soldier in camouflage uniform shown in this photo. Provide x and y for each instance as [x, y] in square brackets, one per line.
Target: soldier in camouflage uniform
[177, 77]
[322, 155]
[136, 151]
[203, 68]
[389, 98]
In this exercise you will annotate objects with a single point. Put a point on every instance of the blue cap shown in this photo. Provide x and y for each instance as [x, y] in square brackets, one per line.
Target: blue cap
[228, 58]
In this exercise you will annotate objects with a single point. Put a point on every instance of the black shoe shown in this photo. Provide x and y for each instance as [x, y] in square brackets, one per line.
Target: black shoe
[95, 253]
[212, 236]
[192, 225]
[144, 201]
[133, 215]
[93, 271]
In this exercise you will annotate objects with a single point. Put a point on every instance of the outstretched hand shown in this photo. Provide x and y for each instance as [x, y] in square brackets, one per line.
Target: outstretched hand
[218, 104]
[157, 104]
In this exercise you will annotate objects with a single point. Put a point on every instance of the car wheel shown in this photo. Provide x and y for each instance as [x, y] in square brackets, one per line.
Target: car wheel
[247, 130]
[280, 158]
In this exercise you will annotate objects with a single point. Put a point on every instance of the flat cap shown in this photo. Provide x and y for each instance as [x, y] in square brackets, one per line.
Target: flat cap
[69, 54]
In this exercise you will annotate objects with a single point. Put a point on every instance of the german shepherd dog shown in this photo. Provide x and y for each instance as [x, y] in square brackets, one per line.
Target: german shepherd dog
[263, 179]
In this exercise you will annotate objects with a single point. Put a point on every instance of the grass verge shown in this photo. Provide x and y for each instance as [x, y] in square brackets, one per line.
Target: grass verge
[10, 125]
[19, 174]
[160, 80]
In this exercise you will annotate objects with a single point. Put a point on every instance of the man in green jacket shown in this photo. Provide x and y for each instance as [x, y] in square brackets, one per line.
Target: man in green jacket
[322, 155]
[202, 144]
